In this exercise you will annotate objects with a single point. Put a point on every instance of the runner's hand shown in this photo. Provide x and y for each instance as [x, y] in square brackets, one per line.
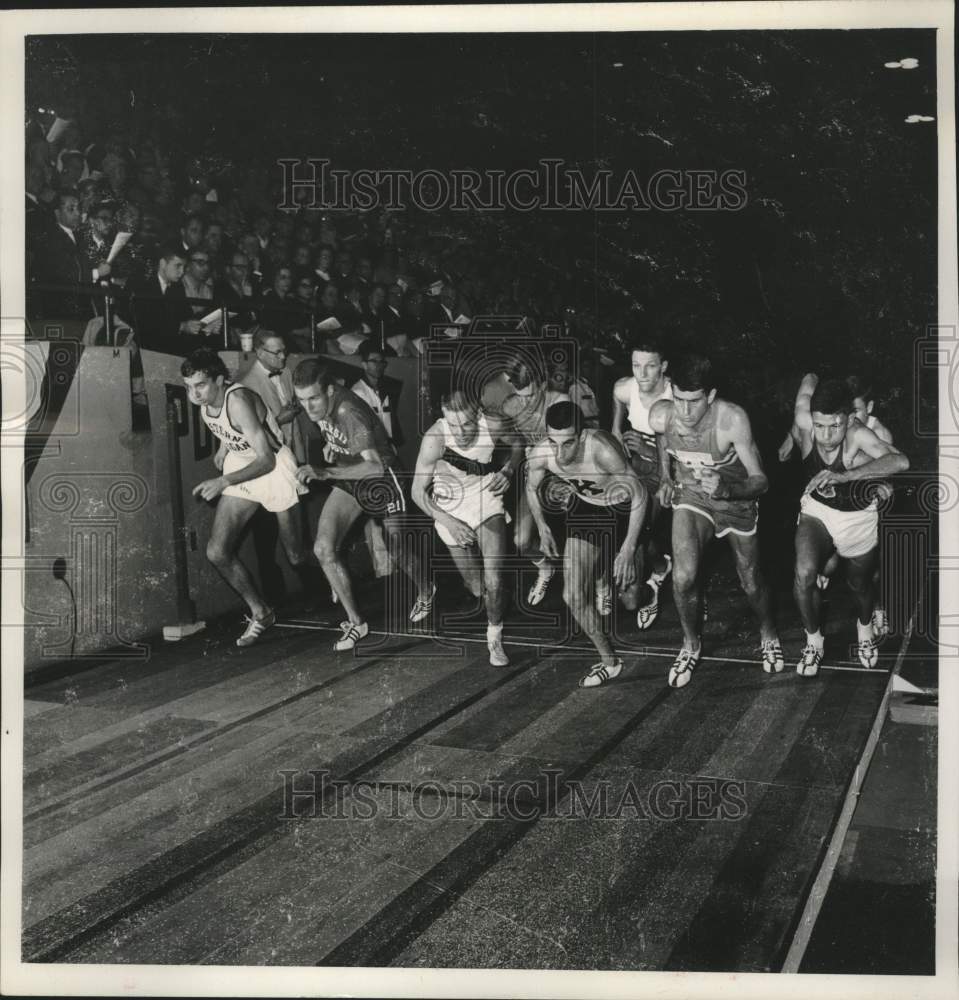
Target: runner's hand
[632, 441]
[462, 533]
[306, 474]
[711, 482]
[547, 543]
[667, 492]
[824, 477]
[210, 489]
[498, 484]
[624, 568]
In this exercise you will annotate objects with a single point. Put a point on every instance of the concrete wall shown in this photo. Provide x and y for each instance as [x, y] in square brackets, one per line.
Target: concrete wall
[99, 508]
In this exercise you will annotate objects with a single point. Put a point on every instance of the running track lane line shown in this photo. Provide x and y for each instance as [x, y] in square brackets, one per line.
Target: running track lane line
[817, 893]
[306, 625]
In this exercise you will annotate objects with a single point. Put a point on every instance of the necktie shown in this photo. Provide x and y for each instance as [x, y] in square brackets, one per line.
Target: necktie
[279, 387]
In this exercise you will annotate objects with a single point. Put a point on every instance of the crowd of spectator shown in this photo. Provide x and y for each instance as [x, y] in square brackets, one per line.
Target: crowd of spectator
[184, 254]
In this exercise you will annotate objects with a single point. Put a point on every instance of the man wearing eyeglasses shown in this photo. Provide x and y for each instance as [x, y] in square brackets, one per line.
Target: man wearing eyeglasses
[373, 392]
[272, 381]
[197, 283]
[236, 294]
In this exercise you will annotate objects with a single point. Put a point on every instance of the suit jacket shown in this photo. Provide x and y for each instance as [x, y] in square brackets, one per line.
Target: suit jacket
[259, 380]
[59, 261]
[156, 317]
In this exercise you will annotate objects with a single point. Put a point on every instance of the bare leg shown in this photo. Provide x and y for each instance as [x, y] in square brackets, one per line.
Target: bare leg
[232, 516]
[579, 570]
[337, 517]
[746, 550]
[859, 575]
[691, 534]
[470, 568]
[407, 556]
[491, 535]
[813, 547]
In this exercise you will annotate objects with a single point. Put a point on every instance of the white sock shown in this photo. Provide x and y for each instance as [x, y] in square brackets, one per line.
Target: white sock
[814, 638]
[865, 631]
[494, 632]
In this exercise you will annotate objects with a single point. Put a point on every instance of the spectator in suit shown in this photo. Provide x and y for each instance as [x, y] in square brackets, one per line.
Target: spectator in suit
[236, 293]
[192, 232]
[273, 382]
[60, 261]
[443, 309]
[371, 389]
[323, 264]
[162, 318]
[197, 282]
[278, 312]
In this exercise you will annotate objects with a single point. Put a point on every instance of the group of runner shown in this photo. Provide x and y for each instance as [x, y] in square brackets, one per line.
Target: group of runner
[678, 468]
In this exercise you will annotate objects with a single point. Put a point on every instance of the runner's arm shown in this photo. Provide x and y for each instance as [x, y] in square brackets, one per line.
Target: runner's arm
[535, 474]
[369, 464]
[802, 415]
[431, 450]
[619, 411]
[658, 415]
[611, 460]
[886, 459]
[735, 423]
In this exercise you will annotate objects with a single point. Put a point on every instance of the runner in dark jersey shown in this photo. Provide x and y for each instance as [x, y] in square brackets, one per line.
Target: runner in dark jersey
[835, 514]
[364, 481]
[712, 476]
[863, 402]
[593, 491]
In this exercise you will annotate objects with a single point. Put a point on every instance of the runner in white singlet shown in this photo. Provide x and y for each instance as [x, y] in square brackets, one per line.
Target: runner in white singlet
[257, 469]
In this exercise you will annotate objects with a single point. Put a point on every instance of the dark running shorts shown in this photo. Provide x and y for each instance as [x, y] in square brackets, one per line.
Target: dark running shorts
[569, 516]
[378, 496]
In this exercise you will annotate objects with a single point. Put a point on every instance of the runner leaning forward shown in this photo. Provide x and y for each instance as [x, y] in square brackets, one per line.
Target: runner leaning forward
[712, 477]
[364, 481]
[257, 470]
[594, 492]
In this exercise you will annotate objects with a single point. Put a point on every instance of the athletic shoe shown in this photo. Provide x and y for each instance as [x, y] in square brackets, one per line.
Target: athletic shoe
[351, 635]
[822, 582]
[538, 591]
[808, 665]
[604, 600]
[648, 612]
[868, 653]
[659, 578]
[255, 627]
[600, 673]
[773, 662]
[423, 606]
[880, 624]
[681, 672]
[497, 655]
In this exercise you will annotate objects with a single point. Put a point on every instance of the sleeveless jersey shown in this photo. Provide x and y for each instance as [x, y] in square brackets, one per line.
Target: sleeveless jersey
[590, 485]
[530, 421]
[235, 440]
[839, 495]
[638, 415]
[480, 451]
[696, 448]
